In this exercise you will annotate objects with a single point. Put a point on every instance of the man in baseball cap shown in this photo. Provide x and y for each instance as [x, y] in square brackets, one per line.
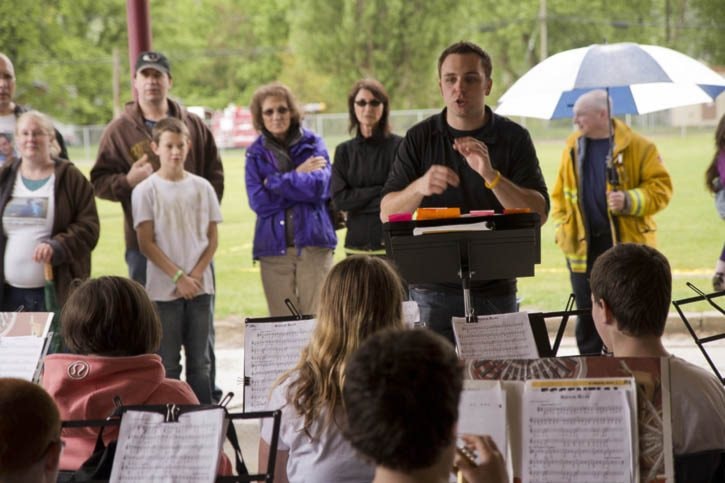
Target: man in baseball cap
[125, 157]
[153, 60]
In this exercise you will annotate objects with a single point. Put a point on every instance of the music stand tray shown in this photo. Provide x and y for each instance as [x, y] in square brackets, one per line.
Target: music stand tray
[509, 248]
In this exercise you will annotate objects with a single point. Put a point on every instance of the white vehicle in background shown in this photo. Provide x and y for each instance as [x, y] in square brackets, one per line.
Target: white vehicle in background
[233, 127]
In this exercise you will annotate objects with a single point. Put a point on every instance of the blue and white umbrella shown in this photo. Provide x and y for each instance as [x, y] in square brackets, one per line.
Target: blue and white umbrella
[639, 79]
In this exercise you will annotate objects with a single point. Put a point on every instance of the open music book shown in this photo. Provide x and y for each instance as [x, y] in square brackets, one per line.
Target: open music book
[500, 336]
[595, 419]
[150, 449]
[23, 338]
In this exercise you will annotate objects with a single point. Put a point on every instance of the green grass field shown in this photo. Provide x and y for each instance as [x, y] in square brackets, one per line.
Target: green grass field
[690, 231]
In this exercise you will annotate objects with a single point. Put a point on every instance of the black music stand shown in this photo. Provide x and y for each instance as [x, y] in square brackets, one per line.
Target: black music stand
[701, 341]
[538, 319]
[508, 249]
[276, 416]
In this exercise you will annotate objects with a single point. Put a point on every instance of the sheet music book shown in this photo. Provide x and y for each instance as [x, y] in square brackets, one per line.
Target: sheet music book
[270, 349]
[482, 410]
[25, 323]
[152, 450]
[608, 413]
[500, 336]
[580, 430]
[20, 356]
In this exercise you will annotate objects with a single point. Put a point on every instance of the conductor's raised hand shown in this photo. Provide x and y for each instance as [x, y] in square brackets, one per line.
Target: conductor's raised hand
[188, 287]
[140, 170]
[490, 468]
[475, 153]
[312, 164]
[436, 180]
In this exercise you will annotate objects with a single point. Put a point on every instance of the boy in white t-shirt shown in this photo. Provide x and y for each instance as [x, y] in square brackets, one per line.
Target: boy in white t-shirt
[175, 214]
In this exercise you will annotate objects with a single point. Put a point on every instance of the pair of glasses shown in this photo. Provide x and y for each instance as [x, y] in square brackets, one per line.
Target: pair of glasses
[282, 110]
[363, 103]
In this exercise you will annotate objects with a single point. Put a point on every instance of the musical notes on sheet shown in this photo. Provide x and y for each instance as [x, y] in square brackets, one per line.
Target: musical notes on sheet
[270, 349]
[19, 356]
[501, 336]
[579, 430]
[151, 450]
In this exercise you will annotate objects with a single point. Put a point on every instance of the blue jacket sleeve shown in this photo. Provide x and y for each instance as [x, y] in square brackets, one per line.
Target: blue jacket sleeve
[262, 200]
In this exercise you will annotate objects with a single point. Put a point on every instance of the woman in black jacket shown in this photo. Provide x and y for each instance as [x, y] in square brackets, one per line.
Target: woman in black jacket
[361, 167]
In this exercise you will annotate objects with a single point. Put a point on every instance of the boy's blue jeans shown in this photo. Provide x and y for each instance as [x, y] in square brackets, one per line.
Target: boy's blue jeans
[186, 322]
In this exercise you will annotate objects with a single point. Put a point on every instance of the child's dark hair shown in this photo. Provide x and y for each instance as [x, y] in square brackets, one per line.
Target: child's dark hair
[636, 283]
[169, 124]
[110, 316]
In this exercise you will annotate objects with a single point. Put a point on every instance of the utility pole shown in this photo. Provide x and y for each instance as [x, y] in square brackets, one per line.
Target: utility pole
[116, 83]
[138, 25]
[543, 33]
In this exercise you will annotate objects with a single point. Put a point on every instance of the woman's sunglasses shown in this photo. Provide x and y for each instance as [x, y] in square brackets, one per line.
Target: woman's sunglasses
[280, 110]
[363, 103]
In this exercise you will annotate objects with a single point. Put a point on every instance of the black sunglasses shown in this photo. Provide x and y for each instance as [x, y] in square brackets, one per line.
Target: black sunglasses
[280, 110]
[363, 103]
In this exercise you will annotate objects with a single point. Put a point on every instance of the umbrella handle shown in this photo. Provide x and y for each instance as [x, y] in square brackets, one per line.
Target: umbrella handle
[48, 272]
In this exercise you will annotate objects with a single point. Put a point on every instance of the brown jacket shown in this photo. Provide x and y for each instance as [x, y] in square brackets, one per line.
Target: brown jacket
[75, 226]
[127, 138]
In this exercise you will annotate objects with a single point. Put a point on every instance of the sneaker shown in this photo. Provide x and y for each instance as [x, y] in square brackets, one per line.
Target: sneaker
[718, 282]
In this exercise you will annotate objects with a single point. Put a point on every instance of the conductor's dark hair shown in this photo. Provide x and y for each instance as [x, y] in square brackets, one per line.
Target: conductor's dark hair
[462, 48]
[636, 283]
[110, 316]
[401, 394]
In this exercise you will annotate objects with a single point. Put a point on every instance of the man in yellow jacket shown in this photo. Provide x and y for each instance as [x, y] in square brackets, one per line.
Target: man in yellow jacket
[596, 204]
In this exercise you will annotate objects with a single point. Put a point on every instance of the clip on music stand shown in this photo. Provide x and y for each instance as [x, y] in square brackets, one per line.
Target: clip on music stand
[701, 341]
[508, 249]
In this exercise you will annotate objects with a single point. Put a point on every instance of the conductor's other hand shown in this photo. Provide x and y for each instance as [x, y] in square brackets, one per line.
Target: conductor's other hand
[436, 180]
[140, 170]
[491, 467]
[312, 164]
[188, 287]
[476, 155]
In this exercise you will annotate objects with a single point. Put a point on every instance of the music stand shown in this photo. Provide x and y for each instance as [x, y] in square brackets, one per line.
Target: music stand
[509, 248]
[231, 436]
[538, 319]
[701, 341]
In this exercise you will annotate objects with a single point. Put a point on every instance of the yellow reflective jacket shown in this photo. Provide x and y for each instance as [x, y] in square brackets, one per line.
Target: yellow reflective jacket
[642, 176]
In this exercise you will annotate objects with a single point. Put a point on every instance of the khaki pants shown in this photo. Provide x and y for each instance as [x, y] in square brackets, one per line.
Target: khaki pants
[293, 277]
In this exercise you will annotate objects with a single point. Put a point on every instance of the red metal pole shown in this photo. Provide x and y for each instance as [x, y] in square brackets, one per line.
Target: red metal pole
[138, 20]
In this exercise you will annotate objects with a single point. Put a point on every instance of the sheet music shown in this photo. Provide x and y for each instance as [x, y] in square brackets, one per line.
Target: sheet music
[580, 430]
[500, 336]
[151, 450]
[482, 410]
[480, 226]
[19, 356]
[270, 348]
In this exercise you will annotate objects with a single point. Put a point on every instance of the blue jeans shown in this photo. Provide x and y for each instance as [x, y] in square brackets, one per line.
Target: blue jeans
[186, 322]
[26, 299]
[136, 262]
[438, 307]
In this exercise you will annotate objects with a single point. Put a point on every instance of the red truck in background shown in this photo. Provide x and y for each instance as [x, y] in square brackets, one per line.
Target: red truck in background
[232, 127]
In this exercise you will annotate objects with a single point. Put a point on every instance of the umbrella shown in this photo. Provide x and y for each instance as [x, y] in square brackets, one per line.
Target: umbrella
[638, 78]
[51, 305]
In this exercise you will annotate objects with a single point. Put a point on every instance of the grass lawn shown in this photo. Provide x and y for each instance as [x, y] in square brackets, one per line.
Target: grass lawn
[690, 231]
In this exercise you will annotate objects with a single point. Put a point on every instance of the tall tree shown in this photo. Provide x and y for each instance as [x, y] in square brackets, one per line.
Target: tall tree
[395, 41]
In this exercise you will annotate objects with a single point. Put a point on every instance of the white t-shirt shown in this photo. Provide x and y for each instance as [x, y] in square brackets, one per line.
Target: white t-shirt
[27, 221]
[181, 212]
[698, 408]
[327, 458]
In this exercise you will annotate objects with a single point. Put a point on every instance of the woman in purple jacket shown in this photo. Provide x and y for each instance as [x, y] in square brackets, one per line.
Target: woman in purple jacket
[715, 181]
[288, 176]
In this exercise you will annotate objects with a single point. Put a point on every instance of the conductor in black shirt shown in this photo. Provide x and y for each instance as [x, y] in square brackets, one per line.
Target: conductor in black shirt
[466, 157]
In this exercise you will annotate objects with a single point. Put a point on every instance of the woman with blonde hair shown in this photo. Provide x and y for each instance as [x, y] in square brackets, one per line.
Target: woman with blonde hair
[48, 216]
[360, 296]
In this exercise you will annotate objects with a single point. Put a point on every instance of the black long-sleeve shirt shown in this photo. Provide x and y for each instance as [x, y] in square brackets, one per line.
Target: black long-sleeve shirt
[359, 172]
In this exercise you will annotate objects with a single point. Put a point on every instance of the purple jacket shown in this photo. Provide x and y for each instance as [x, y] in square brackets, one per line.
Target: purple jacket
[271, 192]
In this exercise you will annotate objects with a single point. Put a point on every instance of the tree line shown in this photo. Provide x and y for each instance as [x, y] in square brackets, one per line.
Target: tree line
[221, 50]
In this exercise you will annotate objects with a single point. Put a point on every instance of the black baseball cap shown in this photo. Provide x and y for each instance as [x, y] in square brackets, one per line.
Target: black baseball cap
[153, 60]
